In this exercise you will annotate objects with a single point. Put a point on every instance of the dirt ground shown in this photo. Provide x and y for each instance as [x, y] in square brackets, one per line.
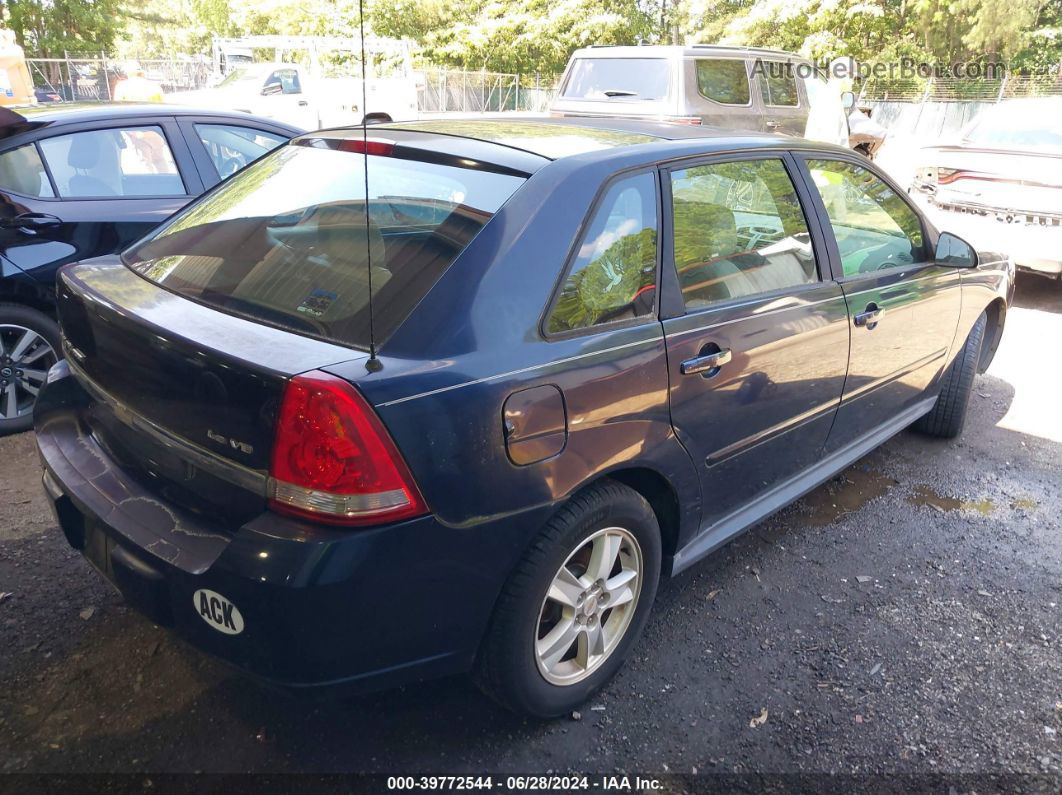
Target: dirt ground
[903, 618]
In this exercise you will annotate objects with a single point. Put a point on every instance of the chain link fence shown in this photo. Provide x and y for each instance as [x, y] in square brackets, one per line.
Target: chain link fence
[447, 90]
[938, 107]
[951, 89]
[93, 79]
[438, 90]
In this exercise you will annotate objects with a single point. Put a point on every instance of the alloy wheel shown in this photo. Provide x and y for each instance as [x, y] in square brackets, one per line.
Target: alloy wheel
[589, 606]
[25, 358]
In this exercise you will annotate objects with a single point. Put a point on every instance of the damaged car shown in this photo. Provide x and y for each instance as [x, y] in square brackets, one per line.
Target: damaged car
[456, 396]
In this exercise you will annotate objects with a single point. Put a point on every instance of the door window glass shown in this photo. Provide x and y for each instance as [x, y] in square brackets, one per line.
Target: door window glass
[722, 80]
[232, 147]
[614, 274]
[135, 161]
[21, 171]
[739, 230]
[778, 84]
[874, 227]
[288, 80]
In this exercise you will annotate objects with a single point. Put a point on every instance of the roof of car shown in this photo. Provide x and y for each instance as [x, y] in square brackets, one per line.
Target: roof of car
[18, 119]
[687, 51]
[528, 143]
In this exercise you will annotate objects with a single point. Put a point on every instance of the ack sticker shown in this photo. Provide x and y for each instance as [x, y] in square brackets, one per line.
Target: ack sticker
[317, 302]
[218, 611]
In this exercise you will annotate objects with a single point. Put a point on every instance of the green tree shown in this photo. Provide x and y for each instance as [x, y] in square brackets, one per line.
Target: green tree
[48, 28]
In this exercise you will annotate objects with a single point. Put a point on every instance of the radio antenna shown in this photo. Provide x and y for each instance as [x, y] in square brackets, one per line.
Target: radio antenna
[373, 365]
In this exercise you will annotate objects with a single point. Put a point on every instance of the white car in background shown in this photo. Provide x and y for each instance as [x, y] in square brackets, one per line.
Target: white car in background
[1000, 186]
[287, 93]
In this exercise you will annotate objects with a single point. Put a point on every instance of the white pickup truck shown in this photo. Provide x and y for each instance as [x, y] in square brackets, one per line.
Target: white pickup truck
[286, 92]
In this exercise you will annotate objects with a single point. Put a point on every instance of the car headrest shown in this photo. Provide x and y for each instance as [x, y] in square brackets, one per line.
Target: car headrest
[84, 151]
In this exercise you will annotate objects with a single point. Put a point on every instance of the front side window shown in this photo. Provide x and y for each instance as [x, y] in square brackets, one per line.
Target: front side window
[134, 161]
[739, 230]
[778, 84]
[874, 227]
[723, 80]
[618, 79]
[232, 147]
[21, 171]
[613, 276]
[285, 242]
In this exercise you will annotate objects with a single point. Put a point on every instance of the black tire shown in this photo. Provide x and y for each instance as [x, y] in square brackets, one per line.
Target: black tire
[507, 667]
[38, 322]
[948, 415]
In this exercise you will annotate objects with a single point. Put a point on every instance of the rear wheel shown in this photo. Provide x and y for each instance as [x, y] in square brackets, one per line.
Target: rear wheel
[949, 412]
[29, 346]
[575, 605]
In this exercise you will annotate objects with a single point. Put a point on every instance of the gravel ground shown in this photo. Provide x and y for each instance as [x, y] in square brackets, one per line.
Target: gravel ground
[903, 618]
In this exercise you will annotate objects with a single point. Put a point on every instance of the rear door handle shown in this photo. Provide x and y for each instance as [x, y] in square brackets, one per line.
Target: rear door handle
[31, 222]
[703, 364]
[869, 317]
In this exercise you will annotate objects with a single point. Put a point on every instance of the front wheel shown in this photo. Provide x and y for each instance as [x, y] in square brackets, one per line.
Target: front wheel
[948, 414]
[575, 605]
[29, 346]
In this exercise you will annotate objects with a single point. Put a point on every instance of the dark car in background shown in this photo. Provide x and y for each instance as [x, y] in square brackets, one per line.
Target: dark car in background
[462, 412]
[81, 180]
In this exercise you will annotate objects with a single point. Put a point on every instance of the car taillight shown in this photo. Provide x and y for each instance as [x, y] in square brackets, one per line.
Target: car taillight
[946, 176]
[684, 119]
[333, 460]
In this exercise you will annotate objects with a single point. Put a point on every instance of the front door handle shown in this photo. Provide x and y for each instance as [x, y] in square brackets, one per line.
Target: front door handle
[704, 364]
[869, 317]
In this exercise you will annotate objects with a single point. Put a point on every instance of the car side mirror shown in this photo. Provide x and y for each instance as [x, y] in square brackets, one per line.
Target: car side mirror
[269, 89]
[955, 252]
[848, 100]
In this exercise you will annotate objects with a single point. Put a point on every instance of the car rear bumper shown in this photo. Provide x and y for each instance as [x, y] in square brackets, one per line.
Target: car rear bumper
[318, 607]
[1034, 246]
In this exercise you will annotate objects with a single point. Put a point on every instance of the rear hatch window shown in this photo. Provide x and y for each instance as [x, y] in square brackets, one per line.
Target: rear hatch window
[286, 241]
[618, 79]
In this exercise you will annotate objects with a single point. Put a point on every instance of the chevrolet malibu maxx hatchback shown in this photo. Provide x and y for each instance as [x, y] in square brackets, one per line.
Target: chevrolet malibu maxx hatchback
[463, 411]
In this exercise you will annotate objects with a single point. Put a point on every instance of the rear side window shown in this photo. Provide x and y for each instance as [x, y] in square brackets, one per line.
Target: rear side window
[778, 84]
[134, 161]
[739, 231]
[723, 80]
[285, 241]
[614, 274]
[21, 171]
[618, 79]
[232, 147]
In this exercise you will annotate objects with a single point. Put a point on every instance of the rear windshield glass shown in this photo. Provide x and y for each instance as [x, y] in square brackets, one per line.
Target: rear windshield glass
[1028, 126]
[618, 79]
[285, 241]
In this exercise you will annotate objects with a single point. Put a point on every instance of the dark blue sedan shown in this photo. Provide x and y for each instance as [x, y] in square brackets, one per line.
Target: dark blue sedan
[455, 395]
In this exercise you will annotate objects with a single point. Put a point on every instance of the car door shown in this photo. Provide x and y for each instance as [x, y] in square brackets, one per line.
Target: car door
[285, 98]
[903, 306]
[99, 186]
[757, 338]
[784, 108]
[221, 147]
